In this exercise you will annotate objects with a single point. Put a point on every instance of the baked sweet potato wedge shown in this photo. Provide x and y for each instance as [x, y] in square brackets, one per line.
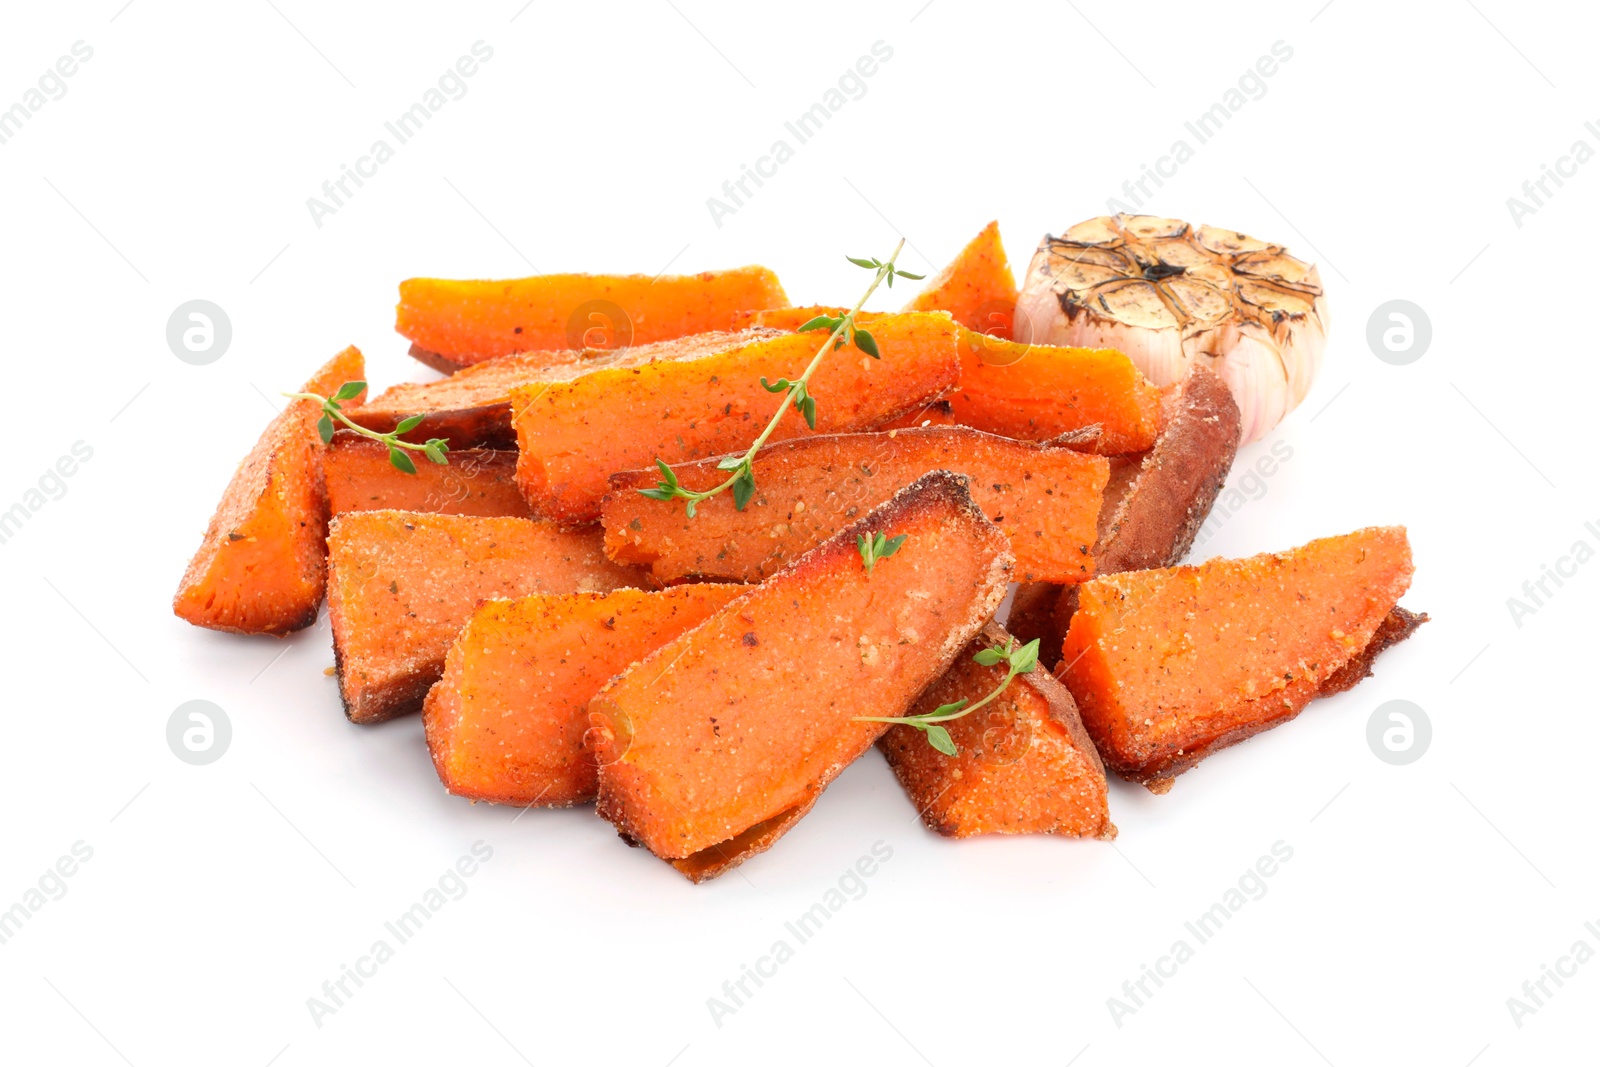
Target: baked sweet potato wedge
[1170, 665]
[452, 324]
[1040, 392]
[506, 722]
[572, 435]
[1045, 500]
[977, 287]
[401, 585]
[476, 481]
[1155, 503]
[710, 745]
[472, 408]
[1024, 764]
[261, 567]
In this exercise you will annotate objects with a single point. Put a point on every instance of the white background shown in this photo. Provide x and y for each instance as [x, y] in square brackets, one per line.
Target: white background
[219, 898]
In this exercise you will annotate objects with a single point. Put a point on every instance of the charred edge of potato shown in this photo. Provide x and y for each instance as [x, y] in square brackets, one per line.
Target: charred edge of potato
[484, 426]
[1396, 626]
[1158, 776]
[724, 856]
[442, 364]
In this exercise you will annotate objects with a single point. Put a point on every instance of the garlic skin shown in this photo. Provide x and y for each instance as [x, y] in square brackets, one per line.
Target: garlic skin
[1166, 293]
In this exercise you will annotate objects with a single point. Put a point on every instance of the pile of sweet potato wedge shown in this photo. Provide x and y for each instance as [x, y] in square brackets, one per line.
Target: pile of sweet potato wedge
[701, 678]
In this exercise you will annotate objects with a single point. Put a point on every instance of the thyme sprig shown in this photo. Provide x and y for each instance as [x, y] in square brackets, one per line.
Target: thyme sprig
[332, 409]
[1018, 659]
[842, 330]
[876, 546]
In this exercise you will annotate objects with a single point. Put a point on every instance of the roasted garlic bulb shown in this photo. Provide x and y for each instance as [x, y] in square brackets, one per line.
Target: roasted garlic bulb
[1167, 293]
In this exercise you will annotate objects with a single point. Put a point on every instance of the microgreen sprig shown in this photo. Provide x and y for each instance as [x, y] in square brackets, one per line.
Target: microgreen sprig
[874, 547]
[332, 409]
[841, 331]
[1018, 660]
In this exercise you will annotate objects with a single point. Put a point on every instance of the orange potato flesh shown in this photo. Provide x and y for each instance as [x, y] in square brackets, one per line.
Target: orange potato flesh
[465, 322]
[1170, 665]
[474, 482]
[572, 435]
[752, 713]
[473, 406]
[977, 287]
[1024, 764]
[1045, 500]
[401, 585]
[1038, 392]
[261, 567]
[506, 722]
[1031, 392]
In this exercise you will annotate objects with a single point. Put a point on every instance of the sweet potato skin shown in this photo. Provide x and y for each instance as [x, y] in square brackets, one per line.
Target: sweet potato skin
[572, 435]
[507, 721]
[1039, 392]
[1154, 523]
[474, 482]
[402, 584]
[1025, 765]
[1170, 665]
[261, 566]
[458, 323]
[977, 287]
[1046, 501]
[752, 713]
[472, 408]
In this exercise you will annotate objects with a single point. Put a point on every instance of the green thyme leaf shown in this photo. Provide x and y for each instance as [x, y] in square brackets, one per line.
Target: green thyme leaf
[1026, 658]
[349, 390]
[821, 322]
[939, 738]
[325, 430]
[865, 342]
[401, 461]
[744, 487]
[406, 425]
